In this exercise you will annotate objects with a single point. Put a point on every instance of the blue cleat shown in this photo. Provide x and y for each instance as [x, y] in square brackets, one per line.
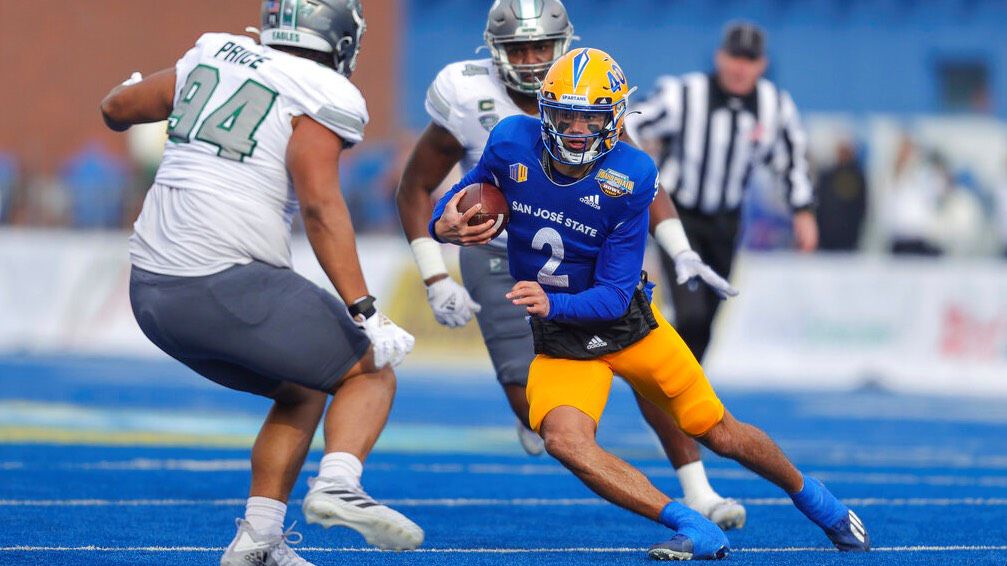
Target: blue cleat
[849, 534]
[680, 547]
[840, 524]
[696, 538]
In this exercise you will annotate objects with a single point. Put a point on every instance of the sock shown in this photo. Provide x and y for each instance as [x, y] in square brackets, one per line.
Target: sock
[695, 486]
[341, 465]
[265, 515]
[818, 504]
[674, 515]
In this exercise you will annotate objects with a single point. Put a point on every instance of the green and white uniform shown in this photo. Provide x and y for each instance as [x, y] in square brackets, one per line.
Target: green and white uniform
[222, 195]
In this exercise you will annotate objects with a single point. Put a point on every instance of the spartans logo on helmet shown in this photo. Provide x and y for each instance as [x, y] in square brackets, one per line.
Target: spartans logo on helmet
[523, 21]
[329, 26]
[583, 105]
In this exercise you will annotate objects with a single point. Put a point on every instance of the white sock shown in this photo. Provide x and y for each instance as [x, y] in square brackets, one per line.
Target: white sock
[696, 487]
[340, 465]
[265, 515]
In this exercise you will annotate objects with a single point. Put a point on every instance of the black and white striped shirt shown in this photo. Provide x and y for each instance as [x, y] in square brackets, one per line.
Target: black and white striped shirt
[709, 141]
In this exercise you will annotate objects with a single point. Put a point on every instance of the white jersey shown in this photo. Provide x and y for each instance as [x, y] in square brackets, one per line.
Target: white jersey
[222, 195]
[467, 99]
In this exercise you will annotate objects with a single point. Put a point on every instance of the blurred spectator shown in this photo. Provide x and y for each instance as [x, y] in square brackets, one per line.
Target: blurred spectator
[842, 201]
[97, 182]
[960, 222]
[912, 200]
[43, 202]
[1001, 215]
[360, 181]
[369, 178]
[766, 218]
[145, 143]
[8, 181]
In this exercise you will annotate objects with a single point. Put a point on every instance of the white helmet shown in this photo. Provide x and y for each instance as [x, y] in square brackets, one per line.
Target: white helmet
[329, 26]
[514, 21]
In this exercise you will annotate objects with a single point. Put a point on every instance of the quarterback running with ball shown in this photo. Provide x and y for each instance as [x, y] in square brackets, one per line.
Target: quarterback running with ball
[579, 278]
[465, 102]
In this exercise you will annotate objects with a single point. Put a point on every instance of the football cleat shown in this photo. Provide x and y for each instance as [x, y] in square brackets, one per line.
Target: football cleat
[726, 513]
[530, 440]
[696, 537]
[849, 534]
[338, 502]
[840, 524]
[681, 547]
[252, 548]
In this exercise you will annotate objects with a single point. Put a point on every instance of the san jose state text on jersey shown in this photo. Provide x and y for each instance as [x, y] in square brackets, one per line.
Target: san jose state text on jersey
[583, 241]
[553, 216]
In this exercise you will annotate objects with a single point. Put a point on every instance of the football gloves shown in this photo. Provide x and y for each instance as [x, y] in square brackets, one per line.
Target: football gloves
[390, 342]
[451, 303]
[688, 266]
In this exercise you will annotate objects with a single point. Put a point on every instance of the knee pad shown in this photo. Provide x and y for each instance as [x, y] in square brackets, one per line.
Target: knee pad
[698, 416]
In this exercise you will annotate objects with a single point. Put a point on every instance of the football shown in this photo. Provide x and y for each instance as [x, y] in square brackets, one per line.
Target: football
[494, 206]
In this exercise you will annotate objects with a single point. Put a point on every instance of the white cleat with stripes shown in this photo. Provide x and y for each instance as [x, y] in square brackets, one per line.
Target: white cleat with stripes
[727, 513]
[338, 502]
[251, 548]
[530, 440]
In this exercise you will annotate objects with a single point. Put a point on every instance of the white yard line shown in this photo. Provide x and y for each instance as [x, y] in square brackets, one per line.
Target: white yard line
[516, 502]
[572, 550]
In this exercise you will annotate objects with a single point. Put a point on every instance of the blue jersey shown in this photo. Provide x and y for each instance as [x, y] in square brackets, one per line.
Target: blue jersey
[582, 240]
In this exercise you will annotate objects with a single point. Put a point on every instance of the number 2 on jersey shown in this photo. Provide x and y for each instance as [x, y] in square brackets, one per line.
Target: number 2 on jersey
[547, 275]
[231, 126]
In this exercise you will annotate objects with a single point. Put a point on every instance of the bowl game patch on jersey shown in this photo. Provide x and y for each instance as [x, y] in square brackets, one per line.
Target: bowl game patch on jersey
[614, 183]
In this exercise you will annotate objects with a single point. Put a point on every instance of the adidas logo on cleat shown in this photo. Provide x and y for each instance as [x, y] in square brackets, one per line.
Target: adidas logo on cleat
[596, 342]
[592, 200]
[857, 527]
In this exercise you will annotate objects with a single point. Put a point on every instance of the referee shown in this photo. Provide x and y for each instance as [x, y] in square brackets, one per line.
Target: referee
[707, 133]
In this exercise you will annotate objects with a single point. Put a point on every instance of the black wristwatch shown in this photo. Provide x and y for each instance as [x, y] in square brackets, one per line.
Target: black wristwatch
[364, 306]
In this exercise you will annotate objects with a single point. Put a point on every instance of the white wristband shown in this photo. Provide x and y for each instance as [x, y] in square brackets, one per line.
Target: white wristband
[671, 236]
[428, 257]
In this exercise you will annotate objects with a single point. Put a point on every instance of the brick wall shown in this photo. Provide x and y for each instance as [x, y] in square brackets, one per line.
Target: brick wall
[59, 58]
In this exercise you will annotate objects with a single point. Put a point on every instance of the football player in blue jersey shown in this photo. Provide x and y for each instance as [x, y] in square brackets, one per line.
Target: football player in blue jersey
[465, 101]
[579, 205]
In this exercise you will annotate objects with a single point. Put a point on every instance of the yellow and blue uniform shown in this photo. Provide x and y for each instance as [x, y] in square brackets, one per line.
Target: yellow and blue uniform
[583, 240]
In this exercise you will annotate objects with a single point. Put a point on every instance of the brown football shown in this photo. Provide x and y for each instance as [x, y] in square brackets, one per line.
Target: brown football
[494, 205]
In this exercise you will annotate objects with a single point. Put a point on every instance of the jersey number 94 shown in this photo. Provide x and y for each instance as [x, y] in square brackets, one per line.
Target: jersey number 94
[231, 126]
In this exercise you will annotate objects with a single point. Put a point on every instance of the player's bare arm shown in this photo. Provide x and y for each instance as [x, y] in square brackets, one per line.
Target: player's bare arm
[149, 100]
[436, 153]
[313, 163]
[453, 225]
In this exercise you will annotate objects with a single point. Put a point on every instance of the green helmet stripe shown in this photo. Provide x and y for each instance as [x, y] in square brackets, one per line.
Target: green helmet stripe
[288, 13]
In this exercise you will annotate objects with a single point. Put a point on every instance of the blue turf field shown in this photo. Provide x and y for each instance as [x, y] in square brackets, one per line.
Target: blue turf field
[127, 462]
